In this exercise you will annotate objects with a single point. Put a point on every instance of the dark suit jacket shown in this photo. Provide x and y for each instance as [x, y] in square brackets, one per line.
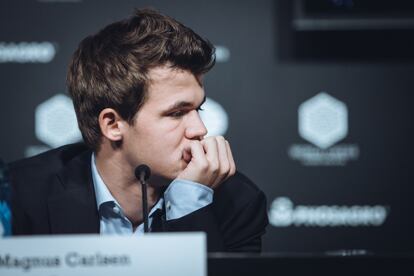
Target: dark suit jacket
[53, 193]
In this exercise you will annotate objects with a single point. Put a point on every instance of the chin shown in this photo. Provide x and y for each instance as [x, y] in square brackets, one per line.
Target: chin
[172, 171]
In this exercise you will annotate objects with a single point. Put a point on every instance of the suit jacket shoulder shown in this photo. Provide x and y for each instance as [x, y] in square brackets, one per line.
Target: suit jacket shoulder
[33, 175]
[41, 186]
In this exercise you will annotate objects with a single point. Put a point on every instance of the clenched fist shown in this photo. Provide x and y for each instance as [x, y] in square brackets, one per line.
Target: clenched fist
[210, 161]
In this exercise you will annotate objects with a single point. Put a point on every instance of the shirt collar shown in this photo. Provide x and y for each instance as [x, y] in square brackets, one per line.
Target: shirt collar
[103, 195]
[101, 191]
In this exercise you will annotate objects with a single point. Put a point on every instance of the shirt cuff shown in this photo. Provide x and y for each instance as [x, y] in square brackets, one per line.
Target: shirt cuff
[183, 197]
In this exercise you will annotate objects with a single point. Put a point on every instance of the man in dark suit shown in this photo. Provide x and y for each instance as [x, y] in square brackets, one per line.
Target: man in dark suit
[137, 86]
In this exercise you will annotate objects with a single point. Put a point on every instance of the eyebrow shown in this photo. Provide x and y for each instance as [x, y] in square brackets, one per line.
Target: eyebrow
[182, 104]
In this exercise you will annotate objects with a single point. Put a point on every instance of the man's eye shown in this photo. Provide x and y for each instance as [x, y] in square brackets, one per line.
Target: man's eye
[177, 114]
[181, 113]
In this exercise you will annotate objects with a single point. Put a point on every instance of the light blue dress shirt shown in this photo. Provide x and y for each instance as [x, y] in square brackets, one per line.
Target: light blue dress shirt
[182, 197]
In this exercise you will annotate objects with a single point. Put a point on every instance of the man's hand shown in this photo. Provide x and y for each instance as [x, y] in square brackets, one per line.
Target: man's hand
[211, 161]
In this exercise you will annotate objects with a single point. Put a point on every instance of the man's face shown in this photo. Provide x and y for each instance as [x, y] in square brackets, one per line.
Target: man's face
[166, 123]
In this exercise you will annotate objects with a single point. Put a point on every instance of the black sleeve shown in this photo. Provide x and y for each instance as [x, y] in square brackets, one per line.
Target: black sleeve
[244, 231]
[239, 231]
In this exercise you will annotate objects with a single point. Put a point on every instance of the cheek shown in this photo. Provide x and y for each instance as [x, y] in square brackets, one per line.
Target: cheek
[170, 129]
[174, 135]
[162, 136]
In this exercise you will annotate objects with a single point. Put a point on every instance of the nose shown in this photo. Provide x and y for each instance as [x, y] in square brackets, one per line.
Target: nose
[195, 128]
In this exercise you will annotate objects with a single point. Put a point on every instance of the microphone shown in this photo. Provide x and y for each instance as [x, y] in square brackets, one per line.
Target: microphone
[142, 173]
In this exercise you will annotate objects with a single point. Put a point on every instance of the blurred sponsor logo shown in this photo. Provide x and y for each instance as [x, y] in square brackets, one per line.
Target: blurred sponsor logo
[27, 52]
[283, 213]
[55, 124]
[222, 53]
[214, 117]
[323, 121]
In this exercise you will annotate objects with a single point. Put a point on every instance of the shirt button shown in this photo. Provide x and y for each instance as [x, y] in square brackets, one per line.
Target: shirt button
[168, 205]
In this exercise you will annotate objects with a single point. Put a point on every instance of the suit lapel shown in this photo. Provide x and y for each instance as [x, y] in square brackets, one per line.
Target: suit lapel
[72, 204]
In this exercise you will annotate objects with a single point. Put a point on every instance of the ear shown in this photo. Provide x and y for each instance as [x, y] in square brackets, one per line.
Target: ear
[111, 124]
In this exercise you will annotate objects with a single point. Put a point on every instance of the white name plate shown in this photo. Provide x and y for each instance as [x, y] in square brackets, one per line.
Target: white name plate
[155, 254]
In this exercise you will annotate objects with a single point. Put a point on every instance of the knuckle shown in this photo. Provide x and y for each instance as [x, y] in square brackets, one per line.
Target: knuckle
[220, 139]
[214, 167]
[204, 167]
[209, 139]
[225, 169]
[233, 170]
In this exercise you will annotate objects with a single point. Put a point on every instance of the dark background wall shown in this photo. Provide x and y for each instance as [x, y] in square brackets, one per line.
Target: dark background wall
[353, 193]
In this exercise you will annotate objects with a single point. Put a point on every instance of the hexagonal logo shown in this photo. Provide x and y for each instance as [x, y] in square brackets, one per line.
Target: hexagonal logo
[55, 122]
[214, 118]
[323, 120]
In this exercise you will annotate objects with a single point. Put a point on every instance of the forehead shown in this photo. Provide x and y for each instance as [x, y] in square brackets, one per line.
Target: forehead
[168, 85]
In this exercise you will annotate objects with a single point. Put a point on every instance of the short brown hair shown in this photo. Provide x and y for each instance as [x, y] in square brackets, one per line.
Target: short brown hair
[109, 69]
